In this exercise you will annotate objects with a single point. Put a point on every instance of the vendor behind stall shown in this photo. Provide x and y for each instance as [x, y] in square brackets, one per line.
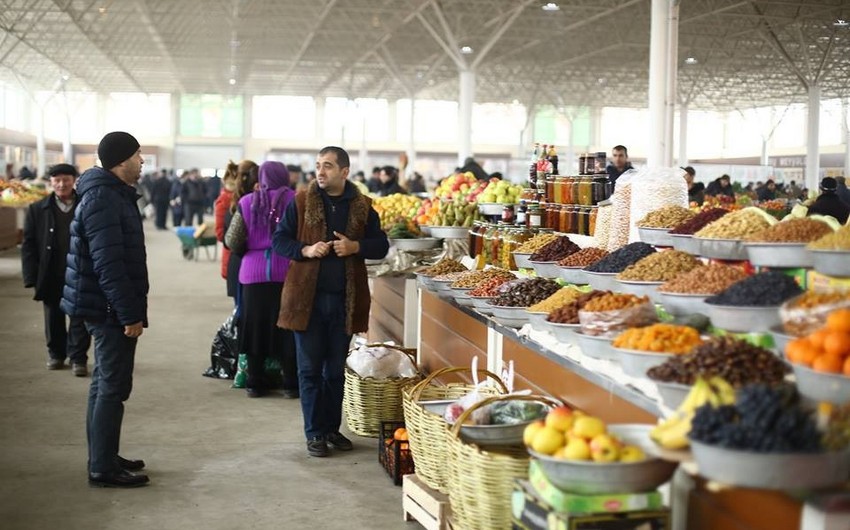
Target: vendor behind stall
[828, 202]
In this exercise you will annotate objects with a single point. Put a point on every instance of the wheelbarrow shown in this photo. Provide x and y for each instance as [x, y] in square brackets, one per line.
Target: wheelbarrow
[193, 238]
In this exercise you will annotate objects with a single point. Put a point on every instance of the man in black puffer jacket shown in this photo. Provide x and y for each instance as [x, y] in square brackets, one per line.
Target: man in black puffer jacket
[106, 283]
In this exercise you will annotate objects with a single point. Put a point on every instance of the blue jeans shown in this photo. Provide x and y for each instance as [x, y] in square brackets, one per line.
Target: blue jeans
[111, 383]
[321, 352]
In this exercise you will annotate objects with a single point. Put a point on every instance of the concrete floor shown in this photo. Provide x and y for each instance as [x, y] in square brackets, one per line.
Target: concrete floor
[216, 458]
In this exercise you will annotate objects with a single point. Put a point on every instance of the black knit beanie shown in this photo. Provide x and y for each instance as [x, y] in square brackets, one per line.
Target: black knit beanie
[115, 148]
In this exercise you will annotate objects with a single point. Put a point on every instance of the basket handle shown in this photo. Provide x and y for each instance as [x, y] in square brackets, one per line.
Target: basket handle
[420, 386]
[493, 399]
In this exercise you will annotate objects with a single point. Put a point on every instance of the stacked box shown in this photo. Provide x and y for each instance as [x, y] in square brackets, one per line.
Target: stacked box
[530, 512]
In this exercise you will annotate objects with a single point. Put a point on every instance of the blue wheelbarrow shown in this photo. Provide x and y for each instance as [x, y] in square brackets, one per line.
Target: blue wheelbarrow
[193, 238]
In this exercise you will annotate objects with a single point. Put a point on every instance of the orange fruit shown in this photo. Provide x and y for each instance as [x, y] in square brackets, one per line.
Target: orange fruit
[837, 343]
[832, 364]
[796, 349]
[846, 369]
[400, 434]
[839, 320]
[818, 337]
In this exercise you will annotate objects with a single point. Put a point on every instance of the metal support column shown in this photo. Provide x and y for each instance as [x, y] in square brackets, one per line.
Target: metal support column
[813, 140]
[464, 112]
[658, 66]
[672, 79]
[683, 135]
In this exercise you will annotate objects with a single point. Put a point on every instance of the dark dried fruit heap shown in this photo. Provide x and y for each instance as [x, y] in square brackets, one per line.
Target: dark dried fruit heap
[621, 258]
[527, 293]
[769, 288]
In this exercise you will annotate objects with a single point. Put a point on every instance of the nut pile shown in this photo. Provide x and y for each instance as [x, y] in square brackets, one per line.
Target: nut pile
[615, 301]
[569, 313]
[660, 338]
[527, 293]
[536, 243]
[449, 276]
[735, 360]
[556, 250]
[583, 257]
[699, 221]
[706, 279]
[443, 266]
[471, 279]
[840, 240]
[618, 260]
[562, 297]
[666, 217]
[736, 225]
[800, 230]
[490, 287]
[811, 299]
[763, 289]
[660, 267]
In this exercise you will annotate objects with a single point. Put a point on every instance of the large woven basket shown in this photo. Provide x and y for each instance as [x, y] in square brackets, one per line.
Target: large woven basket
[368, 401]
[481, 481]
[427, 431]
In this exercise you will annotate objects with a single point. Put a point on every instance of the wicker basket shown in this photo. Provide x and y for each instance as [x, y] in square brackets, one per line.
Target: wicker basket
[481, 481]
[427, 431]
[368, 401]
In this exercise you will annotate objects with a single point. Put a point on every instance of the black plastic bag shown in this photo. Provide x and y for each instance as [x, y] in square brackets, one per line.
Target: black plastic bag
[224, 350]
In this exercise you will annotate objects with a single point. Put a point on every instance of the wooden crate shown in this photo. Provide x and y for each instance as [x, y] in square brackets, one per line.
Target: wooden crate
[427, 506]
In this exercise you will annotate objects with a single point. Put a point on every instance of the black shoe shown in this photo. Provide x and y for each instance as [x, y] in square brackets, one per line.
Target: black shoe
[122, 479]
[340, 442]
[317, 447]
[255, 392]
[130, 465]
[290, 393]
[55, 364]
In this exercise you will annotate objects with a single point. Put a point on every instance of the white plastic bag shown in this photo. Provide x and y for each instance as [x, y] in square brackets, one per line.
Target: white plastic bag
[380, 362]
[654, 189]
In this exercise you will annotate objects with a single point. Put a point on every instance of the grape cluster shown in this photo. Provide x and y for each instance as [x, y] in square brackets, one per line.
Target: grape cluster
[764, 419]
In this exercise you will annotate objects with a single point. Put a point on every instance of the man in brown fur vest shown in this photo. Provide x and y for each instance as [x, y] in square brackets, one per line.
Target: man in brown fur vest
[327, 232]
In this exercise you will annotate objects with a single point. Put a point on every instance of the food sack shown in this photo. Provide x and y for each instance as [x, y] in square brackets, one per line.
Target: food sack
[611, 323]
[654, 189]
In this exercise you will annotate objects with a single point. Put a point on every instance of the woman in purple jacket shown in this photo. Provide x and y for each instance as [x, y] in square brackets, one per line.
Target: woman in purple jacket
[262, 274]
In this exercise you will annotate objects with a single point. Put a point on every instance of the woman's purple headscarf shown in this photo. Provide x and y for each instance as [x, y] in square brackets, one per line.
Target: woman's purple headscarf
[270, 200]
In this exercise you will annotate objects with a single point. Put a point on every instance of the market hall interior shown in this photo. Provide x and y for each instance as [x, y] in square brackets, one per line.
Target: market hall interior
[216, 458]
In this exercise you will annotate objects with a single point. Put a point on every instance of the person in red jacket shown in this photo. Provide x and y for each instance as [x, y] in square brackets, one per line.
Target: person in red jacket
[221, 208]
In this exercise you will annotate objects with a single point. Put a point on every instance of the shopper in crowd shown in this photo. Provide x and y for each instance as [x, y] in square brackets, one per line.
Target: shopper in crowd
[722, 185]
[262, 274]
[374, 182]
[793, 191]
[327, 231]
[829, 203]
[193, 196]
[212, 186]
[619, 163]
[389, 182]
[696, 190]
[842, 191]
[416, 183]
[107, 284]
[176, 199]
[475, 168]
[768, 191]
[296, 176]
[222, 206]
[47, 239]
[160, 190]
[246, 182]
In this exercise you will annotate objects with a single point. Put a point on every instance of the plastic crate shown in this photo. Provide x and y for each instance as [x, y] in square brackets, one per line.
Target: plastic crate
[394, 454]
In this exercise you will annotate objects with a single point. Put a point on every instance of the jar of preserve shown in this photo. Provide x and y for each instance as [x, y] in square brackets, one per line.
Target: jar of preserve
[475, 236]
[591, 224]
[582, 221]
[535, 217]
[584, 193]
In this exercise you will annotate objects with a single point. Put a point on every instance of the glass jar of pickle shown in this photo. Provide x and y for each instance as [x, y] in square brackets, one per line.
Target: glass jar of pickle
[509, 244]
[582, 217]
[487, 248]
[535, 217]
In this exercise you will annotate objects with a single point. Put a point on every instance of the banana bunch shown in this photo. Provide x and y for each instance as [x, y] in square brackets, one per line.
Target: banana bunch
[672, 433]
